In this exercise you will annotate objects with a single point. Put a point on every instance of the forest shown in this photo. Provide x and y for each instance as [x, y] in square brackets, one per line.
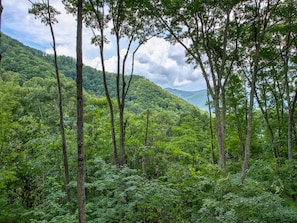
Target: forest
[79, 144]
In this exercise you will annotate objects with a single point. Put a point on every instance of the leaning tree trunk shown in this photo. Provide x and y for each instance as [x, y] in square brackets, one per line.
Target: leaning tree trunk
[260, 25]
[99, 19]
[248, 131]
[250, 113]
[61, 112]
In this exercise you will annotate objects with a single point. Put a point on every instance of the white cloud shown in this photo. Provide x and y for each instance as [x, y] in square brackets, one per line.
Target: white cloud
[165, 64]
[157, 60]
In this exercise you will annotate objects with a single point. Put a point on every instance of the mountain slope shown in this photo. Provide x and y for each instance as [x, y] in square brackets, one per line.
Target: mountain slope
[23, 61]
[197, 98]
[27, 63]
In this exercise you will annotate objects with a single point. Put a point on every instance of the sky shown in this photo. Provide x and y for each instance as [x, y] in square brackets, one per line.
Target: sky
[157, 60]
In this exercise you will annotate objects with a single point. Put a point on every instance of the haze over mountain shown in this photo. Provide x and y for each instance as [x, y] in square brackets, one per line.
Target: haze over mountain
[197, 98]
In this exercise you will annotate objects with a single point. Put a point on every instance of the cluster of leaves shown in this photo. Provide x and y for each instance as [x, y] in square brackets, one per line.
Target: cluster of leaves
[251, 202]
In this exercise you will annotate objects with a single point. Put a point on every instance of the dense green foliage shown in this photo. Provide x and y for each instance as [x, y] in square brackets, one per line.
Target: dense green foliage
[168, 178]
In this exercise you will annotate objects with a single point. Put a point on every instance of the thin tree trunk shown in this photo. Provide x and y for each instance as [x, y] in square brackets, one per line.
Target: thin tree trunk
[248, 131]
[120, 83]
[290, 136]
[143, 160]
[81, 196]
[250, 116]
[122, 137]
[239, 127]
[211, 130]
[260, 25]
[112, 125]
[269, 127]
[109, 101]
[250, 113]
[280, 118]
[101, 43]
[291, 109]
[220, 134]
[61, 113]
[291, 104]
[121, 105]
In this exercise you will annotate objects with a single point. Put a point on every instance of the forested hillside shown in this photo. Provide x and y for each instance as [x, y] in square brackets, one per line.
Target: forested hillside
[150, 156]
[169, 178]
[31, 161]
[31, 63]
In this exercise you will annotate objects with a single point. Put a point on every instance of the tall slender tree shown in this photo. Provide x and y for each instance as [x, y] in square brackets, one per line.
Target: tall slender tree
[289, 58]
[125, 18]
[81, 194]
[47, 13]
[259, 17]
[208, 31]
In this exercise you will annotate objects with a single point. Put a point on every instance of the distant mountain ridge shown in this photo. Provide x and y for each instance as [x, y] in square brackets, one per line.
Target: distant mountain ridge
[26, 63]
[197, 98]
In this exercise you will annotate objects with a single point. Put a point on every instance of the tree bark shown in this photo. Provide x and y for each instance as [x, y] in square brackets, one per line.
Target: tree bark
[220, 132]
[213, 161]
[81, 196]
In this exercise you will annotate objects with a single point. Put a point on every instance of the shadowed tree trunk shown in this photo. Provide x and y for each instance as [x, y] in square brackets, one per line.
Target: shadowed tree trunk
[81, 196]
